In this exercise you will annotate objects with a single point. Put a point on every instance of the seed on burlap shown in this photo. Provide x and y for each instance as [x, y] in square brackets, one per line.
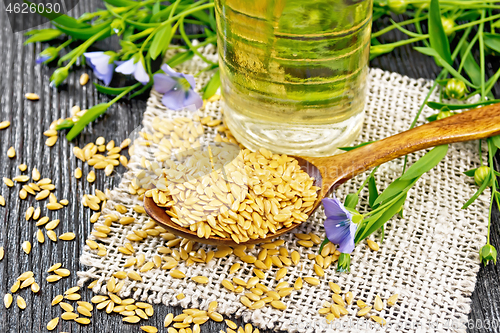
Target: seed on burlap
[372, 245]
[134, 276]
[361, 304]
[364, 311]
[312, 280]
[334, 287]
[391, 301]
[379, 320]
[349, 297]
[378, 304]
[278, 305]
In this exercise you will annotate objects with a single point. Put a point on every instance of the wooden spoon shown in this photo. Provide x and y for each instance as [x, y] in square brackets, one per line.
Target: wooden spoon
[329, 172]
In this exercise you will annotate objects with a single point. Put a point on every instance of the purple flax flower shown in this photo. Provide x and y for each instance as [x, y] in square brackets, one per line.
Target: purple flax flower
[339, 227]
[177, 89]
[135, 67]
[102, 64]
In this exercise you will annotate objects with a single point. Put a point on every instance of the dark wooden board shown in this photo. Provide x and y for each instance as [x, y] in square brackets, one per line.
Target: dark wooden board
[18, 75]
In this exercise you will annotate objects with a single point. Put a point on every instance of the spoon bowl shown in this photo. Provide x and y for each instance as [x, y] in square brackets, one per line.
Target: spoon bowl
[330, 172]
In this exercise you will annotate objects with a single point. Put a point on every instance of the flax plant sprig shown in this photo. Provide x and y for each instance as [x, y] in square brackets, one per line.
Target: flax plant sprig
[461, 78]
[145, 30]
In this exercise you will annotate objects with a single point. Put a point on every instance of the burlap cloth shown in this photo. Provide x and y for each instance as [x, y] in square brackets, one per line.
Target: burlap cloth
[429, 257]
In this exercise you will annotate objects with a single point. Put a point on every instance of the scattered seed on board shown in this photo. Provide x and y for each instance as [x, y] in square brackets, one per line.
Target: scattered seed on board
[149, 329]
[7, 300]
[67, 236]
[32, 96]
[4, 124]
[21, 303]
[53, 278]
[26, 247]
[53, 324]
[57, 300]
[168, 319]
[2, 201]
[35, 287]
[78, 173]
[8, 182]
[91, 176]
[84, 78]
[11, 152]
[51, 141]
[2, 252]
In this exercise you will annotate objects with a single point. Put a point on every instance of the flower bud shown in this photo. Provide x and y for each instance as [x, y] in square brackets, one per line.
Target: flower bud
[118, 26]
[481, 174]
[397, 6]
[487, 253]
[58, 76]
[47, 55]
[455, 89]
[376, 50]
[448, 25]
[344, 263]
[444, 114]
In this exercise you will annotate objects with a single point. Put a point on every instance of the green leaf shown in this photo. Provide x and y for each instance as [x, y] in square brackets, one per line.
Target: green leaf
[156, 7]
[425, 163]
[432, 118]
[179, 58]
[496, 141]
[373, 223]
[85, 34]
[471, 67]
[121, 3]
[437, 37]
[351, 200]
[109, 90]
[212, 85]
[492, 41]
[92, 114]
[470, 172]
[394, 189]
[431, 52]
[43, 36]
[452, 107]
[372, 191]
[354, 147]
[161, 40]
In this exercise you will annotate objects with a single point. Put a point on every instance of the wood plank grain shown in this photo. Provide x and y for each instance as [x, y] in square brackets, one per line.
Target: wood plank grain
[19, 74]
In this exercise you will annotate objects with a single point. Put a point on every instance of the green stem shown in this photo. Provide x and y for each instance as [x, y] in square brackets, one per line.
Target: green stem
[84, 46]
[188, 42]
[481, 55]
[125, 92]
[467, 51]
[387, 204]
[392, 27]
[63, 45]
[366, 180]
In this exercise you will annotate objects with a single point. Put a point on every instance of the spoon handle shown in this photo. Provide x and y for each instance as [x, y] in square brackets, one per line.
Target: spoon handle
[475, 124]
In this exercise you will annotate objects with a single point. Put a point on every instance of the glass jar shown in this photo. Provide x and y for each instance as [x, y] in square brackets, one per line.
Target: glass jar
[293, 72]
